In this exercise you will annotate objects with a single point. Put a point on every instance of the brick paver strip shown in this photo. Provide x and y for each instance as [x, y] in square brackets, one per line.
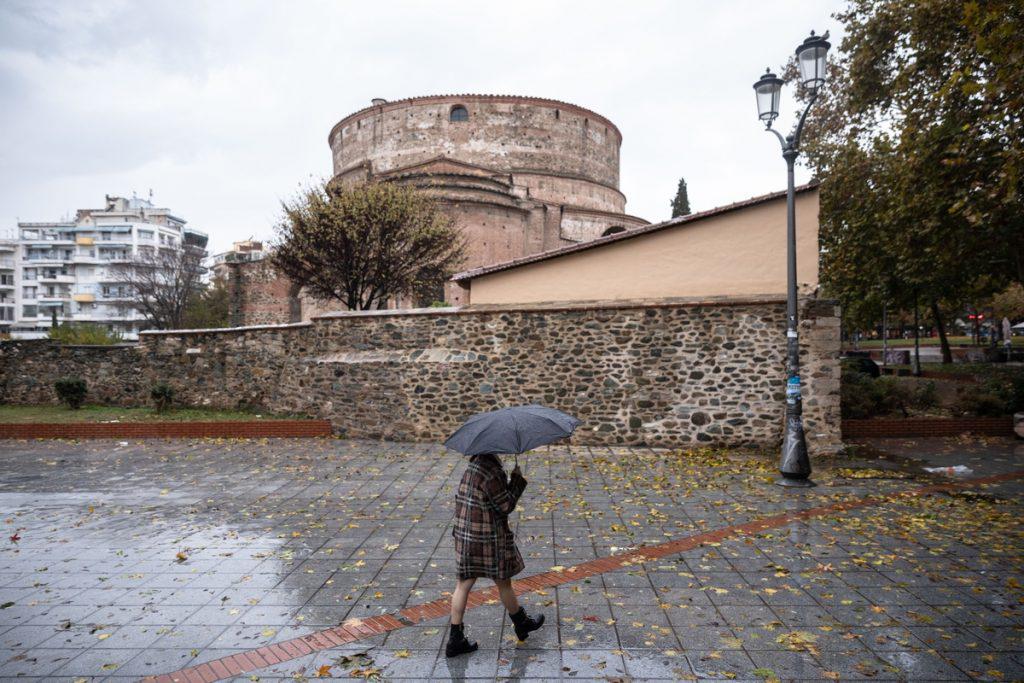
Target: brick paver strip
[359, 629]
[881, 427]
[228, 429]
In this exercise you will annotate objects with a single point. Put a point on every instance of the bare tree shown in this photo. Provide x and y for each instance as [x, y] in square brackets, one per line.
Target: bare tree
[367, 244]
[161, 283]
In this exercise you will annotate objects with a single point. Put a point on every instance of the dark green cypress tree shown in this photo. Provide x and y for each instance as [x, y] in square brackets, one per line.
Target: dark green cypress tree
[681, 204]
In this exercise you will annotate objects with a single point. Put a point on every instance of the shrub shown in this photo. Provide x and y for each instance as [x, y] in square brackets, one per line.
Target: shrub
[975, 400]
[856, 396]
[72, 391]
[996, 394]
[926, 396]
[860, 364]
[862, 397]
[162, 395]
[85, 333]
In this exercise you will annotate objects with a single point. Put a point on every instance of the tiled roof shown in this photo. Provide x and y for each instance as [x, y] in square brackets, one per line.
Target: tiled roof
[628, 234]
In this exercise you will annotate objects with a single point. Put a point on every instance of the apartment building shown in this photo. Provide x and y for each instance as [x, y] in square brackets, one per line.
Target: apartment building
[65, 271]
[8, 250]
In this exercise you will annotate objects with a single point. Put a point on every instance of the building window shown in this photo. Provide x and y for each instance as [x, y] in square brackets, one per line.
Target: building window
[458, 113]
[613, 230]
[28, 293]
[28, 311]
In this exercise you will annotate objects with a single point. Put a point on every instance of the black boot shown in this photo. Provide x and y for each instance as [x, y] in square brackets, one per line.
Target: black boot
[525, 624]
[457, 642]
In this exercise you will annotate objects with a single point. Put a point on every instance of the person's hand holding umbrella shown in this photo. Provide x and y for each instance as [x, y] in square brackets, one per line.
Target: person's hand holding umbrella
[517, 474]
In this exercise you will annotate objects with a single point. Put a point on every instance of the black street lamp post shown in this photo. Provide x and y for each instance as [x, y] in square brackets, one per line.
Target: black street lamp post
[795, 465]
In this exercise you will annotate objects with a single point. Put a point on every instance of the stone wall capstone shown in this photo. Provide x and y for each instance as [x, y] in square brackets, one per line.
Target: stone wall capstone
[662, 374]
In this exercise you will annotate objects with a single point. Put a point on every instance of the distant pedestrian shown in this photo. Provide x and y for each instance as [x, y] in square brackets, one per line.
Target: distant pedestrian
[485, 546]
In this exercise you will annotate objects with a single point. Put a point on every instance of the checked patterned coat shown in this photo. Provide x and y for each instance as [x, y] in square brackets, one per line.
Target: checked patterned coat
[484, 544]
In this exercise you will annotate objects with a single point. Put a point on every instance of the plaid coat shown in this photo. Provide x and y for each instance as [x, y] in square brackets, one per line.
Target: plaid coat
[484, 544]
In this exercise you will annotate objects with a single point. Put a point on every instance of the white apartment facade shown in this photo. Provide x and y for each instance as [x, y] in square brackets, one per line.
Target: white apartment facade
[66, 269]
[8, 252]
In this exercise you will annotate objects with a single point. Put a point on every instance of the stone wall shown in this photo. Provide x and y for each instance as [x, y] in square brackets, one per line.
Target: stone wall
[671, 373]
[28, 369]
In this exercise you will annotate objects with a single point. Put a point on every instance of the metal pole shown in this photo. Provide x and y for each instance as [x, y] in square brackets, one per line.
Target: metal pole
[917, 340]
[885, 333]
[795, 465]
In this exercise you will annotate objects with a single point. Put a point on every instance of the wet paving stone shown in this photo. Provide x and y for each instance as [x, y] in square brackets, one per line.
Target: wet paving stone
[141, 558]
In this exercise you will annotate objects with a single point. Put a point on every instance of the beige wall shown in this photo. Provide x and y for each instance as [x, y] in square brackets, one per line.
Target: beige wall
[737, 253]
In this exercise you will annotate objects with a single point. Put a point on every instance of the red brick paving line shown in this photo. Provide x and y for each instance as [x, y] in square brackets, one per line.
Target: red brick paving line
[233, 429]
[881, 427]
[356, 629]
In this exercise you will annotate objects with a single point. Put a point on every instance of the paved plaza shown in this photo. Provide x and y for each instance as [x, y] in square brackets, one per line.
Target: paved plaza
[297, 559]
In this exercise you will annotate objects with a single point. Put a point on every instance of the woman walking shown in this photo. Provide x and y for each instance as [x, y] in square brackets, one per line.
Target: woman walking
[485, 546]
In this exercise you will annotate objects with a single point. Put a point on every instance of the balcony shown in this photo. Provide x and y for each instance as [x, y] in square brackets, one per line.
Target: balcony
[84, 298]
[49, 241]
[61, 278]
[43, 258]
[45, 311]
[6, 263]
[85, 241]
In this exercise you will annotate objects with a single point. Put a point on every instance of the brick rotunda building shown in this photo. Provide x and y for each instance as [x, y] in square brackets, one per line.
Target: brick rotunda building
[519, 175]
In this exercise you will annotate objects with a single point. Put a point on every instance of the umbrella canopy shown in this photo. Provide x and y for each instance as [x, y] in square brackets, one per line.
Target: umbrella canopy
[512, 430]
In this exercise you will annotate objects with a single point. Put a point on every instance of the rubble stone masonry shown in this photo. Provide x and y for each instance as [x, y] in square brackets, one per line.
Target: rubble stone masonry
[657, 373]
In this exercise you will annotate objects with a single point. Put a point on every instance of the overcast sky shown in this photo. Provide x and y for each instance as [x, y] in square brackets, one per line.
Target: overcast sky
[223, 108]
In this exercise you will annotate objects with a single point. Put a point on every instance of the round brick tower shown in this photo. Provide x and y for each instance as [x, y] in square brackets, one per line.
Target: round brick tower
[519, 175]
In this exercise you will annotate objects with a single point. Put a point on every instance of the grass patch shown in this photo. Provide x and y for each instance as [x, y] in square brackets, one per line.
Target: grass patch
[971, 369]
[1018, 342]
[96, 413]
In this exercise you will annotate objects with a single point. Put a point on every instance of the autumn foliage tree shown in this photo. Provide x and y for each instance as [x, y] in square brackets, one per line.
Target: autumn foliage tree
[209, 307]
[160, 284]
[919, 144]
[363, 245]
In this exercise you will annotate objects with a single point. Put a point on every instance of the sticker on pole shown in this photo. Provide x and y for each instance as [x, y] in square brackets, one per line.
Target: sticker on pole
[793, 388]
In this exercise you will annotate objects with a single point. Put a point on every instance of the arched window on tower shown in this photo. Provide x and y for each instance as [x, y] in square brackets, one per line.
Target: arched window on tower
[458, 113]
[615, 229]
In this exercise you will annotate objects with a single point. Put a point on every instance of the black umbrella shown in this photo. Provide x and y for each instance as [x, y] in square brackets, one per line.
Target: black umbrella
[511, 430]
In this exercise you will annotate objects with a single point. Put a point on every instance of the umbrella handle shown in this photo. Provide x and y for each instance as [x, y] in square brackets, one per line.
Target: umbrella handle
[517, 459]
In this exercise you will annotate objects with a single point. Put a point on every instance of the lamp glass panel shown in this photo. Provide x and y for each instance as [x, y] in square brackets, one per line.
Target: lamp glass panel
[768, 101]
[812, 66]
